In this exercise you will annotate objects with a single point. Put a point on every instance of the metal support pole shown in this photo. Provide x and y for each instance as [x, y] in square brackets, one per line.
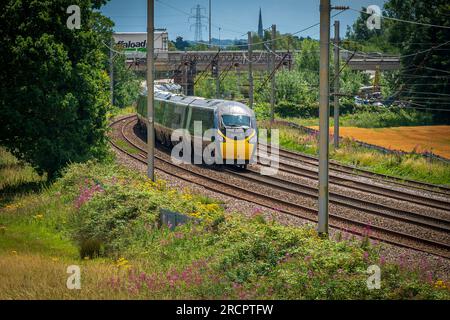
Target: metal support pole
[209, 22]
[111, 72]
[272, 90]
[336, 84]
[150, 90]
[250, 70]
[218, 77]
[324, 113]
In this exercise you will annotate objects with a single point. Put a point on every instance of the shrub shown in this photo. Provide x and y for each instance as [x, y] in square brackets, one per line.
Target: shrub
[392, 117]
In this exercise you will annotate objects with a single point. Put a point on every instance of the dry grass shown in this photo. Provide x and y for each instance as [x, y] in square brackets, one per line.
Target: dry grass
[31, 276]
[419, 139]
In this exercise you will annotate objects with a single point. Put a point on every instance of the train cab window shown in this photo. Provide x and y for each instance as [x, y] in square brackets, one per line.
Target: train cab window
[240, 121]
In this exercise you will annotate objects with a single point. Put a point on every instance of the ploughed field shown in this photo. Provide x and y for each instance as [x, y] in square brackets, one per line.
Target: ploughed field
[419, 138]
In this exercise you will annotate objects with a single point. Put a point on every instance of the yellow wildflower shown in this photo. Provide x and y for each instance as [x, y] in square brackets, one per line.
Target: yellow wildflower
[39, 216]
[195, 214]
[122, 263]
[212, 207]
[14, 252]
[440, 284]
[187, 197]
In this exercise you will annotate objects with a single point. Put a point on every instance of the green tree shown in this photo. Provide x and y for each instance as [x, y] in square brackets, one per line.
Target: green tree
[180, 44]
[126, 83]
[423, 80]
[55, 90]
[360, 37]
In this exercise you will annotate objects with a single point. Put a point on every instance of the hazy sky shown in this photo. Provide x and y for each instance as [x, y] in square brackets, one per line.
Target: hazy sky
[234, 17]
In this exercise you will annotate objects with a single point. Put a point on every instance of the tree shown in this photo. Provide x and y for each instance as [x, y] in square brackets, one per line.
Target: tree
[55, 90]
[423, 80]
[126, 83]
[180, 44]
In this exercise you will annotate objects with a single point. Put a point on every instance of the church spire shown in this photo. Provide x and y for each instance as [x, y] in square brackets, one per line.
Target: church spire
[260, 25]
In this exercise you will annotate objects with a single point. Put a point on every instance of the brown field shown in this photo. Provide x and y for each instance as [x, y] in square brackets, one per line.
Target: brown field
[421, 138]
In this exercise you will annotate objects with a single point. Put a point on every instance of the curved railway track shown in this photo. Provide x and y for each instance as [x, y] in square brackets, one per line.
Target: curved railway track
[355, 184]
[351, 170]
[193, 175]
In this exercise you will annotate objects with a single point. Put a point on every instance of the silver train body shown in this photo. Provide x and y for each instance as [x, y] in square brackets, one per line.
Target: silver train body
[227, 126]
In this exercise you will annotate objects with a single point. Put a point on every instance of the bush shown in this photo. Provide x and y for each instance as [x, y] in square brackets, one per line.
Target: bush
[113, 209]
[392, 117]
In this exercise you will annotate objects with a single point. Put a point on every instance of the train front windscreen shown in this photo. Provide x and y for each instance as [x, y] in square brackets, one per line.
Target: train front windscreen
[233, 121]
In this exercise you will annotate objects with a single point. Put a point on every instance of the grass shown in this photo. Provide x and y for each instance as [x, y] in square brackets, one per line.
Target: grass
[412, 166]
[224, 256]
[126, 146]
[375, 118]
[121, 111]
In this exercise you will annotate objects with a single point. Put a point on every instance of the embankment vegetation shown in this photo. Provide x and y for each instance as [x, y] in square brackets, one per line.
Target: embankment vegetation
[411, 166]
[104, 218]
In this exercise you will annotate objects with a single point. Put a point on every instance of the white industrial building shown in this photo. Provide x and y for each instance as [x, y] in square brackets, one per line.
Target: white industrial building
[134, 44]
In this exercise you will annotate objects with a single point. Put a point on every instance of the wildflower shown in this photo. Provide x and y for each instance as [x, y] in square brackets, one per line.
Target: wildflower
[365, 256]
[429, 276]
[11, 207]
[164, 242]
[186, 197]
[440, 284]
[14, 252]
[212, 207]
[121, 261]
[179, 235]
[86, 194]
[195, 214]
[39, 217]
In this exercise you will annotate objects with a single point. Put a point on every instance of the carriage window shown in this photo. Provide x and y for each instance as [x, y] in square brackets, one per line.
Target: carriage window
[229, 120]
[203, 115]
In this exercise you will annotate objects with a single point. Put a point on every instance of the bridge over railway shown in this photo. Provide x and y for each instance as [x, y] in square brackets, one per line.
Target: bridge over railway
[183, 66]
[176, 60]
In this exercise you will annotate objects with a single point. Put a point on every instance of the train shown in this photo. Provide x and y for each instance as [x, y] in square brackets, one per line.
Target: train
[233, 133]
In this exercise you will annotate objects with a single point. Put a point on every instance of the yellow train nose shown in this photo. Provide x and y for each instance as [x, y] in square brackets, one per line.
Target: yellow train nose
[236, 149]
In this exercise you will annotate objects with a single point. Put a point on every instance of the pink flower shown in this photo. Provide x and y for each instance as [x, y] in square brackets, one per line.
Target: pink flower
[365, 256]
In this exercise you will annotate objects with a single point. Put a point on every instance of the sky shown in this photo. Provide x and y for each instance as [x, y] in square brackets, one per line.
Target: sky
[233, 17]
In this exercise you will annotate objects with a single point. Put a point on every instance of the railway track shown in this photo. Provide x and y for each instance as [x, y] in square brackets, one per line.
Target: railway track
[353, 203]
[351, 170]
[194, 175]
[387, 191]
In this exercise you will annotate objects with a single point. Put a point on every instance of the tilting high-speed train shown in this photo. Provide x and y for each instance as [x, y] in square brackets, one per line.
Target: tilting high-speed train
[233, 123]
